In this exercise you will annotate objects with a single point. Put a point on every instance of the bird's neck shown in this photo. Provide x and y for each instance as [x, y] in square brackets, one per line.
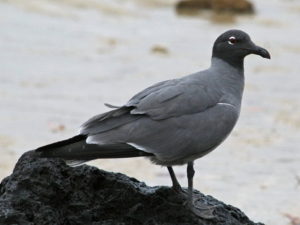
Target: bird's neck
[236, 62]
[226, 68]
[229, 79]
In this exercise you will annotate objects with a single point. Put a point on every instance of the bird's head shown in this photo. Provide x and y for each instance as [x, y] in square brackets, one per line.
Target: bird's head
[233, 45]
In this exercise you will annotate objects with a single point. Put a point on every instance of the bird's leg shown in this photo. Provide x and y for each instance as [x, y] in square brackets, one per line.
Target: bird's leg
[175, 184]
[190, 176]
[196, 207]
[201, 210]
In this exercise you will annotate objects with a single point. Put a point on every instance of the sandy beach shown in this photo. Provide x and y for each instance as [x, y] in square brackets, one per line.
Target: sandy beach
[60, 61]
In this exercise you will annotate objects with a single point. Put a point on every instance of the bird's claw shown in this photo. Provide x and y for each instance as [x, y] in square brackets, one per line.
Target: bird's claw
[204, 212]
[194, 205]
[178, 189]
[200, 209]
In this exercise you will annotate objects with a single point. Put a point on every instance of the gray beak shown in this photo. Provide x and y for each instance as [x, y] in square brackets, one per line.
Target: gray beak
[261, 51]
[252, 48]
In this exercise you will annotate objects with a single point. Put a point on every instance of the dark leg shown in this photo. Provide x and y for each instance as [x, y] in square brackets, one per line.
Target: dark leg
[175, 184]
[190, 176]
[200, 209]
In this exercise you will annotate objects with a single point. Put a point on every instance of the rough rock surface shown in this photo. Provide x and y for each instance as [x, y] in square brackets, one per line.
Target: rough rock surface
[42, 191]
[234, 6]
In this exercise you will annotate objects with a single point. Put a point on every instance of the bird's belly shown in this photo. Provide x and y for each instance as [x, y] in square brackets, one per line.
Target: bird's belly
[195, 135]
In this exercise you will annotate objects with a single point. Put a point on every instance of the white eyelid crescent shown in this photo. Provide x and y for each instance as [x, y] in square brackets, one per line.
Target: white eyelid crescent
[232, 37]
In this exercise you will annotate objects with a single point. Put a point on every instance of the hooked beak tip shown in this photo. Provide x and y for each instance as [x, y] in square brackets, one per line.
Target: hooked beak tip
[262, 52]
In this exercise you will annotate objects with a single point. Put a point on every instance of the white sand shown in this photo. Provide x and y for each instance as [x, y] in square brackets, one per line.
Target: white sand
[61, 60]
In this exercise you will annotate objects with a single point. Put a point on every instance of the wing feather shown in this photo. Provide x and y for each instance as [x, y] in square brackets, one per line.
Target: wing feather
[170, 98]
[181, 98]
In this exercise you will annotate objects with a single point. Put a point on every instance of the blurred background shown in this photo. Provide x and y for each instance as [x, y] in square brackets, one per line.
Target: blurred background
[60, 61]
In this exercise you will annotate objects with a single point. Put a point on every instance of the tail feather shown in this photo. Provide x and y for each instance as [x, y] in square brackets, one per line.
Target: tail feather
[76, 151]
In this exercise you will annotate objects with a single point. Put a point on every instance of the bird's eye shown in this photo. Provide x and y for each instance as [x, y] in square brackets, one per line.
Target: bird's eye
[232, 40]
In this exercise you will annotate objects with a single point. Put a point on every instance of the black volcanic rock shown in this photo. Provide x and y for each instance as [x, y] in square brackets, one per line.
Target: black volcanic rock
[43, 191]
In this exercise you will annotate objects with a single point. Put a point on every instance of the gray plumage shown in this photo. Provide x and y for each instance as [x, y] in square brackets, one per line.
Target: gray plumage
[176, 120]
[173, 122]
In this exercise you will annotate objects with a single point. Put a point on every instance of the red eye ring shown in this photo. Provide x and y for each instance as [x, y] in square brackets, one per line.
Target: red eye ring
[232, 40]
